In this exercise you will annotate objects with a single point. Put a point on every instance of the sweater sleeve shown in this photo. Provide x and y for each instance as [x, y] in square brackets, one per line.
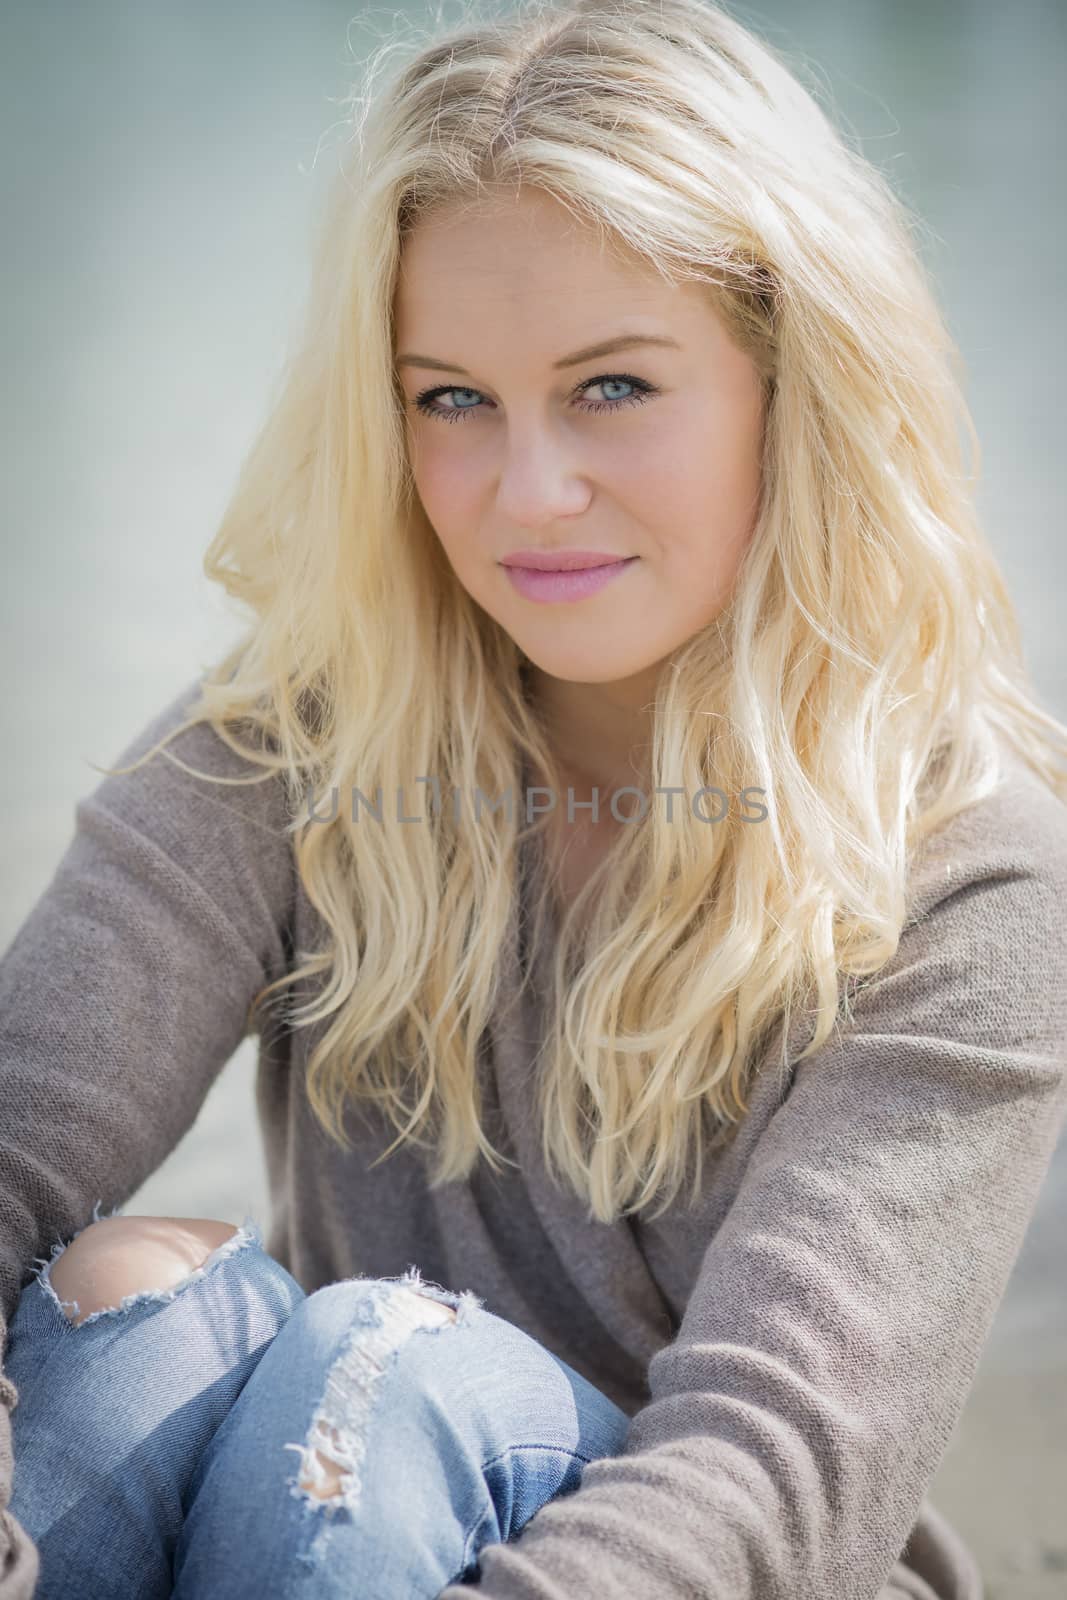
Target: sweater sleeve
[122, 995]
[835, 1327]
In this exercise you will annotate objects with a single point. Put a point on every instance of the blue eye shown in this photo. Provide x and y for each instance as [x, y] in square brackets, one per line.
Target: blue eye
[426, 402]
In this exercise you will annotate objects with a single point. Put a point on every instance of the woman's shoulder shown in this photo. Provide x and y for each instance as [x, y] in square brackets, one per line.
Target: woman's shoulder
[219, 817]
[1015, 834]
[195, 759]
[979, 974]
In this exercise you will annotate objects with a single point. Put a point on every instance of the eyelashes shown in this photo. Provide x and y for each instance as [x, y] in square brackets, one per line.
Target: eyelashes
[426, 401]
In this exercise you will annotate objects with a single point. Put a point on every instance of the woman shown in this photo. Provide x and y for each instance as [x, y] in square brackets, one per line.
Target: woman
[694, 1137]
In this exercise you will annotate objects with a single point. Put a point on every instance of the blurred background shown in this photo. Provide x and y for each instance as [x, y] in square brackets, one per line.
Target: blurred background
[161, 164]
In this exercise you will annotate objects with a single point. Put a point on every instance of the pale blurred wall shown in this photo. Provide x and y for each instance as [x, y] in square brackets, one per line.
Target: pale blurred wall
[159, 168]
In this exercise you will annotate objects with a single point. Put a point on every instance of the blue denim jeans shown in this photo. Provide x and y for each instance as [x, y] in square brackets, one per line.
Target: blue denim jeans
[169, 1445]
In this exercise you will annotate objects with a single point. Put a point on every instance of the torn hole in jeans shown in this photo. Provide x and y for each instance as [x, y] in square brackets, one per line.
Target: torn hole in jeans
[247, 1234]
[332, 1456]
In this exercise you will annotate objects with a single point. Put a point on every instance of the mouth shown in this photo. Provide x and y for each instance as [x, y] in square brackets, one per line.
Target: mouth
[556, 585]
[561, 560]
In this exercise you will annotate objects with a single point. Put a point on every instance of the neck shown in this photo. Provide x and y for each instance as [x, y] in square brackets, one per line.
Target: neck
[600, 733]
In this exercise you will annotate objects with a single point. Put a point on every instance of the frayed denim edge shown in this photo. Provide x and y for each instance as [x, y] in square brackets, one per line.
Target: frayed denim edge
[249, 1233]
[382, 1322]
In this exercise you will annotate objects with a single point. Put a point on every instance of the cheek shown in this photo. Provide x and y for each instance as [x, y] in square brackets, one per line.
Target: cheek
[451, 508]
[438, 472]
[695, 479]
[446, 488]
[697, 494]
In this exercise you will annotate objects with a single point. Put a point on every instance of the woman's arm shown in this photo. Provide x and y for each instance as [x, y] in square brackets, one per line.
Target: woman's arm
[122, 996]
[828, 1346]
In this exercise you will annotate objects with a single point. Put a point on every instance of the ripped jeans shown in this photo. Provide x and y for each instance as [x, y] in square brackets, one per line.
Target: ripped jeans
[233, 1436]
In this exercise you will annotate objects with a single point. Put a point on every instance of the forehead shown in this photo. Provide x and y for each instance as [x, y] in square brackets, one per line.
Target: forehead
[523, 255]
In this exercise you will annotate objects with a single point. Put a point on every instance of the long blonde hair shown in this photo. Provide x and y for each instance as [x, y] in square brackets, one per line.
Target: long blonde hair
[863, 674]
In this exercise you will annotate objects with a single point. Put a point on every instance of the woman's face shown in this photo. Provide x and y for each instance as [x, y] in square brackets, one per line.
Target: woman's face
[650, 454]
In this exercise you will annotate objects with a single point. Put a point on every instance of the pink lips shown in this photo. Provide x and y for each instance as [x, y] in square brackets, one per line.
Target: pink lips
[551, 576]
[560, 560]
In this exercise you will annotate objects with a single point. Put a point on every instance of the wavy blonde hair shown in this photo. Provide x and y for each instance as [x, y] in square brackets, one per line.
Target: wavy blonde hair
[863, 674]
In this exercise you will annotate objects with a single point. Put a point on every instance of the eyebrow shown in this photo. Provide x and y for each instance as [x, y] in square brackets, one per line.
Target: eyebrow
[592, 352]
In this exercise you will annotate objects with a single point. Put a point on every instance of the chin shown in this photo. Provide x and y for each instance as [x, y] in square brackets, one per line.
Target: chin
[582, 666]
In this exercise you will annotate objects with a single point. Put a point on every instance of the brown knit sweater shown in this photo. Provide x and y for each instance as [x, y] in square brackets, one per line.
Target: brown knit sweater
[794, 1352]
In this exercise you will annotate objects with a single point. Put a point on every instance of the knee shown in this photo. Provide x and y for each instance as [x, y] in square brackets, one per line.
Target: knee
[378, 1324]
[120, 1255]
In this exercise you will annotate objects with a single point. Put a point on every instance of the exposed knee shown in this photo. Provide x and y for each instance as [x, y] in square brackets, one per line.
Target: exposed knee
[121, 1255]
[321, 1475]
[436, 1310]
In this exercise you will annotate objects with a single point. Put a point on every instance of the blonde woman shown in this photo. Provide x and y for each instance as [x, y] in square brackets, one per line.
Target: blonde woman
[628, 827]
